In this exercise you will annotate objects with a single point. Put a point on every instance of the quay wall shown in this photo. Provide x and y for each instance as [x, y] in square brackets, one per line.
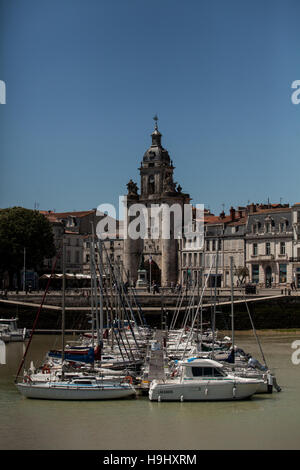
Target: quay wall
[279, 313]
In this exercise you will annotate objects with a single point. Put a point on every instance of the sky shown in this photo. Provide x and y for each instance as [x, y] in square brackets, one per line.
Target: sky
[84, 79]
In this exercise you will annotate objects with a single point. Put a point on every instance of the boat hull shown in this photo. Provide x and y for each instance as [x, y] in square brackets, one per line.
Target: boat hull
[67, 392]
[206, 391]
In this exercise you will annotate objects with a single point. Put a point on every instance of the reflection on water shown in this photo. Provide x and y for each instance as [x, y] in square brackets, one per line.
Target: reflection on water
[264, 422]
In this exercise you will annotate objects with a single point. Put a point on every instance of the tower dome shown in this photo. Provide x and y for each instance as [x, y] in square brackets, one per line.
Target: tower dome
[156, 153]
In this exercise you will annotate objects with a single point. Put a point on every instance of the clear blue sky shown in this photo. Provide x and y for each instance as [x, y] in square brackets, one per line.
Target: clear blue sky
[85, 77]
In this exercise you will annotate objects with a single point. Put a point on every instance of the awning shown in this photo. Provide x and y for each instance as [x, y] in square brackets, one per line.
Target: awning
[68, 276]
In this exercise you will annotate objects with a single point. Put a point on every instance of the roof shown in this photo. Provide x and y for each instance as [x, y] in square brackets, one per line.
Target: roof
[62, 215]
[196, 362]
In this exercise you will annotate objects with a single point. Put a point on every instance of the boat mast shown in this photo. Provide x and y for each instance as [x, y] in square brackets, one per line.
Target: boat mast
[63, 303]
[232, 309]
[92, 295]
[215, 305]
[101, 293]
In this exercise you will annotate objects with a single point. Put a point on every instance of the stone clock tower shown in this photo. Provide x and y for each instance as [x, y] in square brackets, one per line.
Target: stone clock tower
[157, 187]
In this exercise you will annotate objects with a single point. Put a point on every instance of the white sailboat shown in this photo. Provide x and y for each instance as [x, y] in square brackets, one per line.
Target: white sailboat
[61, 386]
[76, 388]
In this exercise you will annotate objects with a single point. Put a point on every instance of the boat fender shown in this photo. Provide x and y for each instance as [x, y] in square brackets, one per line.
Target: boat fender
[128, 379]
[234, 391]
[181, 398]
[206, 391]
[159, 399]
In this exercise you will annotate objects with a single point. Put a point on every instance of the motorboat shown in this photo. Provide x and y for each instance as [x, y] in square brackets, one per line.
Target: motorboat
[9, 330]
[202, 380]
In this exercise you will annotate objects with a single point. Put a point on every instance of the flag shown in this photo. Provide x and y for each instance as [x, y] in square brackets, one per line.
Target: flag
[150, 259]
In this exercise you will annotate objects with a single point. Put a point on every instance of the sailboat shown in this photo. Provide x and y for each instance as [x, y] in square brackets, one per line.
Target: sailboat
[62, 386]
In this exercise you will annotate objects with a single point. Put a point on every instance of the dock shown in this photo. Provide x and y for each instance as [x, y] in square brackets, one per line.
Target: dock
[145, 308]
[156, 362]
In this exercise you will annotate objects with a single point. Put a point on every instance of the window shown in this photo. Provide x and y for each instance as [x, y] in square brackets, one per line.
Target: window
[282, 248]
[214, 245]
[282, 273]
[219, 244]
[87, 258]
[207, 245]
[254, 249]
[268, 248]
[77, 257]
[281, 227]
[254, 228]
[202, 371]
[206, 372]
[68, 256]
[255, 273]
[218, 373]
[268, 227]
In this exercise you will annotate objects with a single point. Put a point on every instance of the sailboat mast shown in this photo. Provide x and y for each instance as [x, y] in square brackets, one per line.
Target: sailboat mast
[101, 291]
[232, 305]
[63, 302]
[215, 306]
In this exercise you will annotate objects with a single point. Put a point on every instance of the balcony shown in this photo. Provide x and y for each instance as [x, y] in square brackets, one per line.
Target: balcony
[294, 259]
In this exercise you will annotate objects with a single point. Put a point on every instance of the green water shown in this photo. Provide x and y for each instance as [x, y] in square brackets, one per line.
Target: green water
[264, 422]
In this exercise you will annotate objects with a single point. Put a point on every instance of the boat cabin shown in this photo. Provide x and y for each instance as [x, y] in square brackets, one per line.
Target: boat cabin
[202, 368]
[11, 323]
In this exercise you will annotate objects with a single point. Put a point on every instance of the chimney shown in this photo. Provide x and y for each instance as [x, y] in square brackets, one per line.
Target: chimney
[252, 208]
[232, 213]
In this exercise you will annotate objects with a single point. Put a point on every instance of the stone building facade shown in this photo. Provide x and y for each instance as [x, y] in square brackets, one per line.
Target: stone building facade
[262, 239]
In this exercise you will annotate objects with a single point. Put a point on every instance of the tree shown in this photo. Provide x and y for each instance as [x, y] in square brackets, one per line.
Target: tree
[242, 273]
[24, 228]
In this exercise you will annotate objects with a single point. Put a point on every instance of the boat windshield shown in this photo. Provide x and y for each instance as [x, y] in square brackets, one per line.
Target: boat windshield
[207, 372]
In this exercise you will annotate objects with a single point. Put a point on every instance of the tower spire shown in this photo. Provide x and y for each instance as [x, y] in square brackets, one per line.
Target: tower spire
[156, 135]
[155, 119]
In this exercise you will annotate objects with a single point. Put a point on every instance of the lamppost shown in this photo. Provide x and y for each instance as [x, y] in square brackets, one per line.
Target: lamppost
[24, 271]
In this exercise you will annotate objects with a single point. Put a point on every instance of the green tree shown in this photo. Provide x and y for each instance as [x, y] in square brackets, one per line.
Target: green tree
[242, 273]
[24, 228]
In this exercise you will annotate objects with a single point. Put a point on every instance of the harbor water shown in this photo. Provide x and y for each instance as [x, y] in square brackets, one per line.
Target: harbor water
[267, 421]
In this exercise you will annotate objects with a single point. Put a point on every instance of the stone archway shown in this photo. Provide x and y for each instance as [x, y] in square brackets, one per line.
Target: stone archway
[155, 272]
